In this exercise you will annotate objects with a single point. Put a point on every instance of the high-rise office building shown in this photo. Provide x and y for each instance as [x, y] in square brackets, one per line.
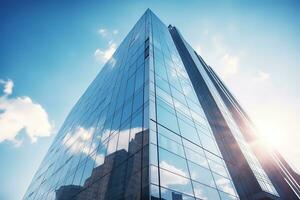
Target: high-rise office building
[158, 123]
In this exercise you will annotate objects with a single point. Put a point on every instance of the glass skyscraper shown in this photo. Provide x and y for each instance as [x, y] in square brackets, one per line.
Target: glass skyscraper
[158, 123]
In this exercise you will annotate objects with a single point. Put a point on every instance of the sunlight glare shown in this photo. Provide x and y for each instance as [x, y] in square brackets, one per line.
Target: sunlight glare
[270, 136]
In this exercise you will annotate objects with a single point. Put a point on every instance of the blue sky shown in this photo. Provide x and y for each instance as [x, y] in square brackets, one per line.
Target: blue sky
[50, 52]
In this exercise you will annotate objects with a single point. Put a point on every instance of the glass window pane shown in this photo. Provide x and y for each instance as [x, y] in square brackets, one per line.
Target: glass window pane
[139, 78]
[164, 95]
[195, 155]
[172, 162]
[153, 155]
[173, 78]
[224, 184]
[154, 174]
[173, 195]
[178, 95]
[209, 144]
[225, 196]
[162, 84]
[167, 119]
[160, 69]
[154, 192]
[193, 147]
[205, 192]
[220, 169]
[214, 158]
[170, 145]
[196, 158]
[201, 174]
[187, 131]
[123, 140]
[169, 134]
[130, 86]
[175, 182]
[138, 101]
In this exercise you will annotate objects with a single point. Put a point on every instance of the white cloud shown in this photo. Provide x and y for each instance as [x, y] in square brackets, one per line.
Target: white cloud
[77, 139]
[107, 33]
[80, 140]
[199, 191]
[103, 32]
[261, 75]
[168, 178]
[21, 113]
[122, 139]
[103, 55]
[220, 55]
[230, 63]
[8, 86]
[224, 185]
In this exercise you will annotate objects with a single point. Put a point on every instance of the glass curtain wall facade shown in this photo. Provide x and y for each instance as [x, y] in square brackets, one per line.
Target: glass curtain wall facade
[250, 168]
[256, 168]
[147, 129]
[186, 162]
[101, 150]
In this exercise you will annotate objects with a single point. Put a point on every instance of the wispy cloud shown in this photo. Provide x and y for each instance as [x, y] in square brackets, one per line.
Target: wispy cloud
[230, 63]
[224, 184]
[102, 55]
[103, 32]
[80, 140]
[21, 114]
[8, 86]
[261, 75]
[200, 191]
[168, 178]
[220, 55]
[106, 32]
[115, 32]
[76, 140]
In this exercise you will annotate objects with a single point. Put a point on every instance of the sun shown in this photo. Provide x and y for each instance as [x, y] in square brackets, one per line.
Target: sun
[270, 136]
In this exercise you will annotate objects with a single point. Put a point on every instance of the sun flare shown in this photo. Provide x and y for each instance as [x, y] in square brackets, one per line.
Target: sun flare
[270, 135]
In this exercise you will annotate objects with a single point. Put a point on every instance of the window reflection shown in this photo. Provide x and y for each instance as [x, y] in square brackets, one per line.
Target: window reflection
[171, 145]
[108, 182]
[209, 144]
[201, 174]
[172, 162]
[163, 84]
[167, 118]
[188, 131]
[154, 175]
[175, 182]
[224, 184]
[220, 169]
[205, 192]
[225, 196]
[154, 191]
[167, 194]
